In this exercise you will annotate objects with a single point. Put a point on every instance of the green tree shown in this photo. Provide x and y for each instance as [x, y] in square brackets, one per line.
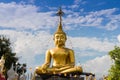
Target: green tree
[6, 51]
[114, 72]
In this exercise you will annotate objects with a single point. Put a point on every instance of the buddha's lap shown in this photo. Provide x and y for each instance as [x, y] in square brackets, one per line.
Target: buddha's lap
[59, 70]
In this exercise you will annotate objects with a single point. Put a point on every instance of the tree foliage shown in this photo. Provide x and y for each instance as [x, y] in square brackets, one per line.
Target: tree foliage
[21, 68]
[6, 51]
[114, 72]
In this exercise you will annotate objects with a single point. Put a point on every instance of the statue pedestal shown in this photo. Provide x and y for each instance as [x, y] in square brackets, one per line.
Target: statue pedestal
[72, 76]
[59, 78]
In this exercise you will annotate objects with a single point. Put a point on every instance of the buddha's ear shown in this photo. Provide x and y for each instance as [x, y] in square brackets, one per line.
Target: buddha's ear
[53, 38]
[65, 37]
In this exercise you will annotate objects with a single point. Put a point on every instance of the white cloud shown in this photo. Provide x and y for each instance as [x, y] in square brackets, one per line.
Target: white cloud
[20, 16]
[106, 12]
[84, 43]
[76, 4]
[99, 66]
[27, 45]
[105, 19]
[32, 1]
[118, 37]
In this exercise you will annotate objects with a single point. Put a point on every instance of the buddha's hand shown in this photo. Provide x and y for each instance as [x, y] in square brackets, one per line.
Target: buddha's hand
[44, 68]
[44, 71]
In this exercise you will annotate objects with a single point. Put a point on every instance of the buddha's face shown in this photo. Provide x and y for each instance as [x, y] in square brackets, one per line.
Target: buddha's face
[59, 39]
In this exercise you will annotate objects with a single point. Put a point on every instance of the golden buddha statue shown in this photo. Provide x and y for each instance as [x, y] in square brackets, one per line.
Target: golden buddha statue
[63, 58]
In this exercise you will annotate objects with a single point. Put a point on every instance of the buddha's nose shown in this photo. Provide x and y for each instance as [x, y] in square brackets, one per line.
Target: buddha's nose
[59, 39]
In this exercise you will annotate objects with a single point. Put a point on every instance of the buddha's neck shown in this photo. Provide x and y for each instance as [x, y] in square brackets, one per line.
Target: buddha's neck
[60, 46]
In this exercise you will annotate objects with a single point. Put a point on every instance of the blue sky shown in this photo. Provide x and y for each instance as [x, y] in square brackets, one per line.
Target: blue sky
[92, 27]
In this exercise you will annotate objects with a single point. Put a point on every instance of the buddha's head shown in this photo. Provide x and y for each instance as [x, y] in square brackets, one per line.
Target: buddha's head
[60, 36]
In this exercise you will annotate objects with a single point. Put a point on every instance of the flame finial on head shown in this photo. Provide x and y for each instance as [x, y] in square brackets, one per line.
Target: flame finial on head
[59, 29]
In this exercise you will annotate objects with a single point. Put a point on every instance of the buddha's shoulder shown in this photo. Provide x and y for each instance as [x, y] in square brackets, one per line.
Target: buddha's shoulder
[70, 50]
[51, 50]
[64, 48]
[54, 49]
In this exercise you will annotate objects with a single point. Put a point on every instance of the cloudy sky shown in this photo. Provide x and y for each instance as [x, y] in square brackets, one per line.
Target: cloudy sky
[92, 27]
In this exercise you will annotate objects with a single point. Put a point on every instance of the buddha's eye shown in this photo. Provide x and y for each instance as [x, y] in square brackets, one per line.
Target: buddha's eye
[57, 37]
[62, 36]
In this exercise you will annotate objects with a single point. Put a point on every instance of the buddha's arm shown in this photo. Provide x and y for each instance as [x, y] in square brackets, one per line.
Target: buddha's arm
[71, 58]
[47, 60]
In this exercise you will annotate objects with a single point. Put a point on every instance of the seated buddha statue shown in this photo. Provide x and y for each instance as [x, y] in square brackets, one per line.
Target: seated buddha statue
[63, 58]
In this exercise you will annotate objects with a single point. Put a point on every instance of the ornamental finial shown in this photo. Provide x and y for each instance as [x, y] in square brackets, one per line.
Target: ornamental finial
[59, 29]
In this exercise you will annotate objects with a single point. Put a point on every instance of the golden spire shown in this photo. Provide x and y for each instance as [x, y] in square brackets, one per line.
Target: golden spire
[59, 29]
